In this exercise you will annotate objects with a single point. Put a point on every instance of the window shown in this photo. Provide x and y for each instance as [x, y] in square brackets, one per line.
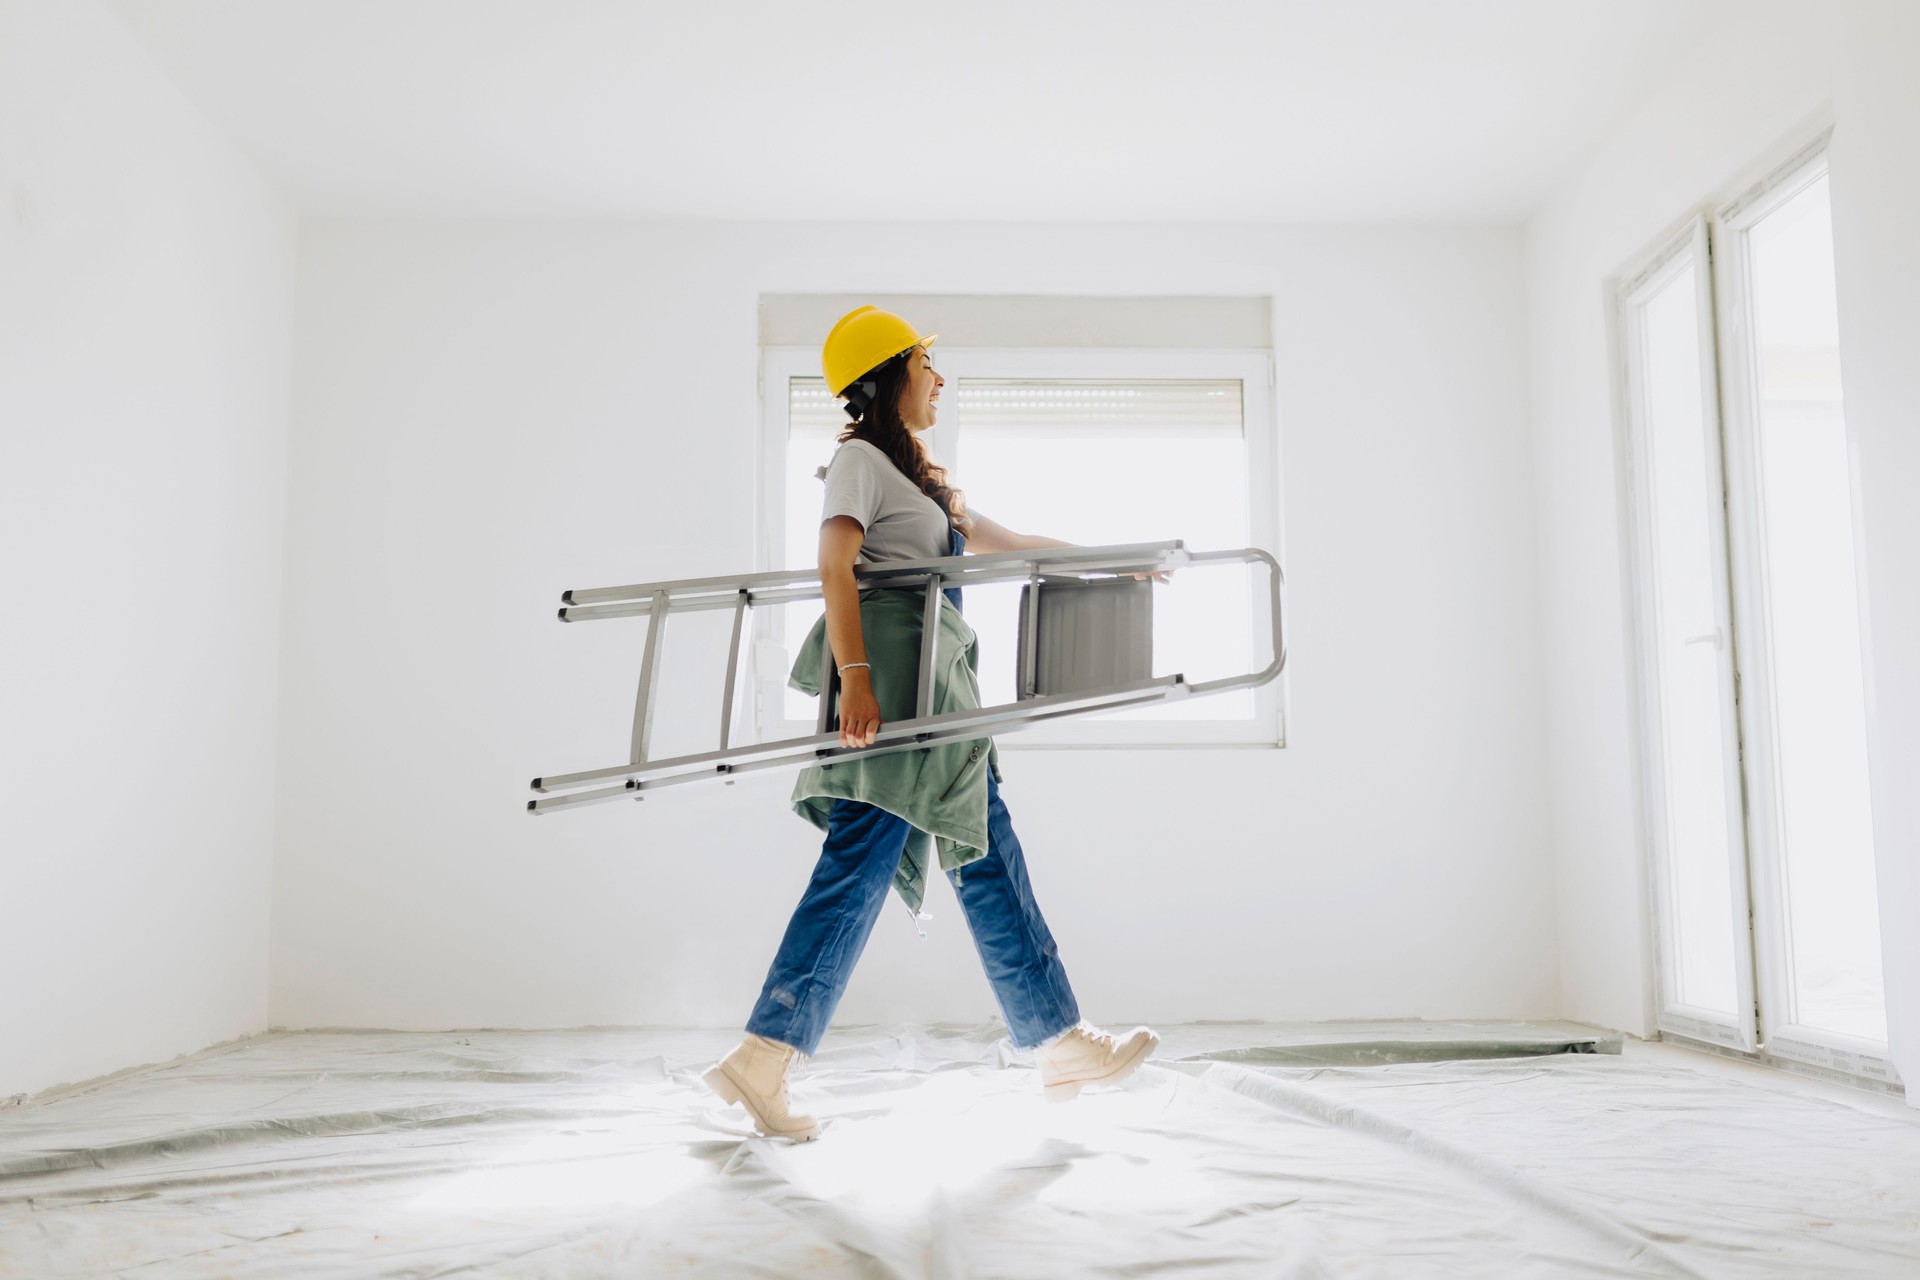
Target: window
[1691, 736]
[1753, 712]
[1090, 446]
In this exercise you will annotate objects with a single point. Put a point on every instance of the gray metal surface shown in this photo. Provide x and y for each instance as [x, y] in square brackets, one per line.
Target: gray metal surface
[1085, 633]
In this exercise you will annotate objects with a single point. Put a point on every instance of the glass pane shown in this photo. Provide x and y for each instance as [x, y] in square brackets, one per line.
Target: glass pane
[1692, 740]
[1813, 626]
[1094, 461]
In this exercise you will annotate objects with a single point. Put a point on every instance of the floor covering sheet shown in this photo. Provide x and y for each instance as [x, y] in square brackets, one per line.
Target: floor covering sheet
[1348, 1150]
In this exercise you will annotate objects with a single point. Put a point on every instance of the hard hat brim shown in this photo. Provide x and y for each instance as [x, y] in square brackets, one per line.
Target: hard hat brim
[917, 342]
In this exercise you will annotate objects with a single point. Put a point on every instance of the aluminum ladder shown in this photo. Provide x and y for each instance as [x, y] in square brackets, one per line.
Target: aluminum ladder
[635, 777]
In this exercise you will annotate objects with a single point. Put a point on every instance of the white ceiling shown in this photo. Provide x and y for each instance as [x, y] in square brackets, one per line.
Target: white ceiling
[1038, 110]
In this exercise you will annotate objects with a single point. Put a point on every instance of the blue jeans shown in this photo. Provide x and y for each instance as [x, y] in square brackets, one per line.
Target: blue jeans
[835, 917]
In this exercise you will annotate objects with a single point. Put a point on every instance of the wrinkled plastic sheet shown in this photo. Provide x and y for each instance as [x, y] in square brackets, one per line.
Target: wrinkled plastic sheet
[1390, 1150]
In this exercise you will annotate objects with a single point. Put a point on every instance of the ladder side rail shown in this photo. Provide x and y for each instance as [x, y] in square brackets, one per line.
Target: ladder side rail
[1012, 562]
[1000, 565]
[636, 789]
[826, 747]
[903, 578]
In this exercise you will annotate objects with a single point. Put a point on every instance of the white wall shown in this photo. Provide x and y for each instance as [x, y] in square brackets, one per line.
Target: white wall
[1727, 103]
[487, 413]
[1731, 105]
[145, 304]
[1876, 197]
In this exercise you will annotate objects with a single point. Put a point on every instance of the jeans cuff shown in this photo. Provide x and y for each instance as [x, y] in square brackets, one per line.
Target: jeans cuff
[1055, 1036]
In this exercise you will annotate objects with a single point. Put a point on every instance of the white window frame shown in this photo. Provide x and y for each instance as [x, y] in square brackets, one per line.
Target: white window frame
[1253, 368]
[1715, 236]
[1688, 248]
[1740, 402]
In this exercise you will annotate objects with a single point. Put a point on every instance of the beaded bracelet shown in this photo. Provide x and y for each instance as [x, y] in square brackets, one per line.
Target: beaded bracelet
[867, 665]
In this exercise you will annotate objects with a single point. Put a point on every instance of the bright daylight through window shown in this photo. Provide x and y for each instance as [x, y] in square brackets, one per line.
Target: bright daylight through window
[1818, 741]
[1105, 458]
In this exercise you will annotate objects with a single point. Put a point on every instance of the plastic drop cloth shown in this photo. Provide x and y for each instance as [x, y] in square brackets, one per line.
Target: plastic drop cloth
[1392, 1150]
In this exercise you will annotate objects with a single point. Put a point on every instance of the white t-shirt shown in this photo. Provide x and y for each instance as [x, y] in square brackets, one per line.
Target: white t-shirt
[901, 522]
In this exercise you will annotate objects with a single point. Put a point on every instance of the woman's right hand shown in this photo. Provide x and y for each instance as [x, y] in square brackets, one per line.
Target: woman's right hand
[859, 711]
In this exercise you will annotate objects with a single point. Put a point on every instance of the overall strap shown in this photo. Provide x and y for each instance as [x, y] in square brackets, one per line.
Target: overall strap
[956, 546]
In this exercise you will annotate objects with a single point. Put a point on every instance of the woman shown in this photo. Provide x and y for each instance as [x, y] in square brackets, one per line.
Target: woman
[887, 500]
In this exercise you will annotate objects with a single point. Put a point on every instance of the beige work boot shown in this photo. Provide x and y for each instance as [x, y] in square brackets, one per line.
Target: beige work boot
[1087, 1055]
[755, 1075]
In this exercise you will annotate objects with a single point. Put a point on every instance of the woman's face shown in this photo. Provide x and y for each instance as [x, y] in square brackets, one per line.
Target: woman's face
[919, 399]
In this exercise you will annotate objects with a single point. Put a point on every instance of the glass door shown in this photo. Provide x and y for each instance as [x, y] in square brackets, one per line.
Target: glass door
[1691, 775]
[1822, 995]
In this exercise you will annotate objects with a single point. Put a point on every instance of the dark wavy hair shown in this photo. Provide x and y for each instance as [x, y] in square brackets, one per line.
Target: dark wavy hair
[876, 419]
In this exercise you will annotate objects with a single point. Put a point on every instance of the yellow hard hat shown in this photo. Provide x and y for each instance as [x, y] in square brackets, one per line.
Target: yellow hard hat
[861, 341]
